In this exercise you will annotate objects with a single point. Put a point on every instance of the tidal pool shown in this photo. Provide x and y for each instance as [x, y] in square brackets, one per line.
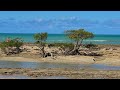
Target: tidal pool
[43, 65]
[27, 77]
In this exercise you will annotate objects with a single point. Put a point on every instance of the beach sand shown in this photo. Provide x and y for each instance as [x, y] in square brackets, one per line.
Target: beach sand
[53, 73]
[111, 56]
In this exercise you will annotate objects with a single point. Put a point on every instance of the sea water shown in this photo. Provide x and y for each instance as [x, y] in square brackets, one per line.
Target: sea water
[98, 39]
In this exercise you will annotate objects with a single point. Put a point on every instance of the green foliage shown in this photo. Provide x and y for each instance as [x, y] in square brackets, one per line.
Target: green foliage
[62, 45]
[78, 35]
[7, 46]
[90, 45]
[41, 41]
[40, 37]
[17, 42]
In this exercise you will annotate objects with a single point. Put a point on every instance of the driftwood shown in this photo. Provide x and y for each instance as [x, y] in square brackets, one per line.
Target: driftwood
[11, 50]
[48, 52]
[85, 52]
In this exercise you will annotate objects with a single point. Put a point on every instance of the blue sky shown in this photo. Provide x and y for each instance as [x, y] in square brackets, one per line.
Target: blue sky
[98, 22]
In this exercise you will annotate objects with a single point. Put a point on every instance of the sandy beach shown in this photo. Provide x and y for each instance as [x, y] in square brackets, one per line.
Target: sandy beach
[67, 59]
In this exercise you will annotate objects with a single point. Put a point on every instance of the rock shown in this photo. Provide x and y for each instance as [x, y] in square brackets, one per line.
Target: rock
[88, 53]
[107, 48]
[94, 54]
[114, 48]
[83, 49]
[83, 53]
[1, 51]
[103, 49]
[3, 55]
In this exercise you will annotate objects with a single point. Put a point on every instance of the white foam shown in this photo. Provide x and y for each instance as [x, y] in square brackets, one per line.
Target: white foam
[97, 40]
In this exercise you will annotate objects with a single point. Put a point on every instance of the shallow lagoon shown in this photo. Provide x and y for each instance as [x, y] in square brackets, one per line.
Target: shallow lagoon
[43, 65]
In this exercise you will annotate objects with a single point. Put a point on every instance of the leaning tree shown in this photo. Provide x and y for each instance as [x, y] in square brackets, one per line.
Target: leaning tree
[78, 36]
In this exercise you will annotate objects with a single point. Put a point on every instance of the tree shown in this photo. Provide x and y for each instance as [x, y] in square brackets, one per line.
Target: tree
[41, 39]
[78, 36]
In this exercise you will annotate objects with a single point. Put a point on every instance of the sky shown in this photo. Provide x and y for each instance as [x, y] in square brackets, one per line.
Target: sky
[56, 22]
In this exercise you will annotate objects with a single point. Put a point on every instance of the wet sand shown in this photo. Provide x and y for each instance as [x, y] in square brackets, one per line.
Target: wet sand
[111, 57]
[113, 61]
[60, 73]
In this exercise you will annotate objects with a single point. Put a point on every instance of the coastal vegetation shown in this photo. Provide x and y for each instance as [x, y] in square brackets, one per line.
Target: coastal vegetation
[45, 49]
[11, 46]
[90, 45]
[40, 40]
[78, 36]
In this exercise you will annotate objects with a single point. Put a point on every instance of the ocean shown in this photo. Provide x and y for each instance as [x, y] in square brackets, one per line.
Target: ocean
[98, 39]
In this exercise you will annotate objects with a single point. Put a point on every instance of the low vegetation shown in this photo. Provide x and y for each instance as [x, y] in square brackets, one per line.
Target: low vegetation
[62, 45]
[90, 45]
[12, 46]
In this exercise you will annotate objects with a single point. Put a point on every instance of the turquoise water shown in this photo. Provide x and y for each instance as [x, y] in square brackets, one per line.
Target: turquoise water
[98, 39]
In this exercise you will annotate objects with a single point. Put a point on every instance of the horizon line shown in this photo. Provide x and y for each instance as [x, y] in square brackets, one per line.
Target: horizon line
[54, 33]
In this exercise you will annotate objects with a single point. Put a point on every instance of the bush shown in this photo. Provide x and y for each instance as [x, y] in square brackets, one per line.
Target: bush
[90, 45]
[17, 42]
[62, 45]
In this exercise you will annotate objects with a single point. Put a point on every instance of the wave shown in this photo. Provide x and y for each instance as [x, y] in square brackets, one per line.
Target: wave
[97, 40]
[104, 41]
[84, 40]
[56, 40]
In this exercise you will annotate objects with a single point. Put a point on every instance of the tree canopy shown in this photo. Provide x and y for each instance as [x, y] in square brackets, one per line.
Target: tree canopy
[78, 35]
[40, 37]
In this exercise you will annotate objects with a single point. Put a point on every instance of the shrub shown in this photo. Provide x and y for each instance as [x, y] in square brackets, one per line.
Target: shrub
[62, 45]
[90, 45]
[40, 38]
[17, 42]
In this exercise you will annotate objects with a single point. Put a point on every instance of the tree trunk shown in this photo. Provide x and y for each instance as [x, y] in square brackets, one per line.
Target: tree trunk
[17, 50]
[74, 51]
[43, 52]
[81, 41]
[77, 43]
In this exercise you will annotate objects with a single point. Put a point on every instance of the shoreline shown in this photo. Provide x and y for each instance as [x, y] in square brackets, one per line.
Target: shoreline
[111, 56]
[87, 60]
